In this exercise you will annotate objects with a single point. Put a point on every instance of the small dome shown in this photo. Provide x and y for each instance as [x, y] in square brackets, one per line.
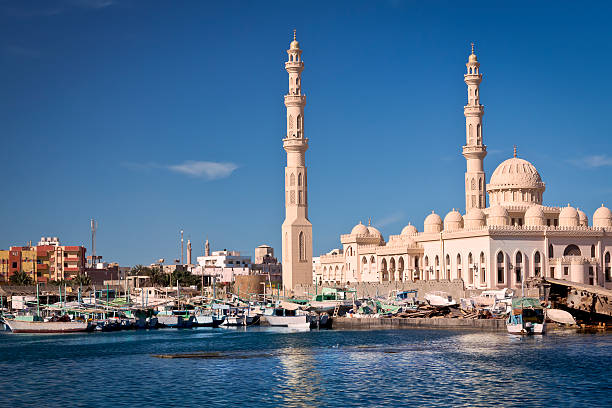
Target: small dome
[374, 231]
[294, 45]
[409, 230]
[432, 223]
[453, 221]
[498, 216]
[568, 217]
[583, 220]
[602, 217]
[534, 216]
[473, 58]
[475, 218]
[359, 229]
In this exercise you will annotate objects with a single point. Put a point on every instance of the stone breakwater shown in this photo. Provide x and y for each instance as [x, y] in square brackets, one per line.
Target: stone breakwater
[372, 323]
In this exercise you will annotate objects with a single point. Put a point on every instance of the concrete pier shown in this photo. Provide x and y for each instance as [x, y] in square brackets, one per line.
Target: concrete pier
[371, 323]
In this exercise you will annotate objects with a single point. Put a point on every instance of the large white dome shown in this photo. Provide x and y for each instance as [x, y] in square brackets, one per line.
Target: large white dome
[515, 181]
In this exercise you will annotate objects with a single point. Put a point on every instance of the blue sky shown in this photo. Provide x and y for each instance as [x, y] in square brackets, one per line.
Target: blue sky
[156, 116]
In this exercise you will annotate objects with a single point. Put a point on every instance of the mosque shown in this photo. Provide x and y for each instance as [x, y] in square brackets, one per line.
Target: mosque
[517, 237]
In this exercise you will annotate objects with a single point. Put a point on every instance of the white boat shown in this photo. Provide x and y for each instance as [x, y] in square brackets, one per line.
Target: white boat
[526, 317]
[560, 316]
[440, 299]
[23, 326]
[287, 314]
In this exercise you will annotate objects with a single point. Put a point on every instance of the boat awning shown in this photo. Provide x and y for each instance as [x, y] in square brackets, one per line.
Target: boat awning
[289, 305]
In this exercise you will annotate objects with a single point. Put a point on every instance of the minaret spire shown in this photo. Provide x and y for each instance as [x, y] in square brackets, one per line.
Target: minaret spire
[474, 150]
[297, 229]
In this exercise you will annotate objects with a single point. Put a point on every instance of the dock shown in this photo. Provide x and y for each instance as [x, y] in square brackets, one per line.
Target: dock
[372, 323]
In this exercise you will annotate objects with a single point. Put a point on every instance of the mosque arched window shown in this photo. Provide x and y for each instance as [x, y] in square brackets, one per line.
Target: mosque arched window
[426, 261]
[518, 267]
[473, 184]
[551, 253]
[572, 250]
[437, 261]
[302, 246]
[290, 121]
[592, 251]
[501, 269]
[470, 259]
[299, 179]
[537, 263]
[478, 133]
[607, 275]
[292, 179]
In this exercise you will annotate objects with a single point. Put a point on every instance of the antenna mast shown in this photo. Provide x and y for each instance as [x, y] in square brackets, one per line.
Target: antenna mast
[93, 242]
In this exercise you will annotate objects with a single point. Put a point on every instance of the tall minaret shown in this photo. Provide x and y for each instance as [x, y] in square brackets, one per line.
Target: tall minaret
[188, 252]
[474, 150]
[207, 248]
[297, 229]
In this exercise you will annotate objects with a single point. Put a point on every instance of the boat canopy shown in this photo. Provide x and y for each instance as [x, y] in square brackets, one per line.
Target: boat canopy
[526, 302]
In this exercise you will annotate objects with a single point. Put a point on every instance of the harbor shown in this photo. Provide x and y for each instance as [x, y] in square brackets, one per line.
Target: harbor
[550, 304]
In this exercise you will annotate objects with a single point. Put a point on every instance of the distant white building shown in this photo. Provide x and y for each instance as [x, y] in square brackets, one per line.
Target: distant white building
[225, 259]
[222, 266]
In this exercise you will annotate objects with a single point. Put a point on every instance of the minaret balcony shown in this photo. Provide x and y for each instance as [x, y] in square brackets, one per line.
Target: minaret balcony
[474, 151]
[295, 100]
[294, 66]
[473, 110]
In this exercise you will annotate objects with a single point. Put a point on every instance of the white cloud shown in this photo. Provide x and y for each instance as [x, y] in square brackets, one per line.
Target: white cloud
[390, 219]
[204, 169]
[593, 161]
[92, 4]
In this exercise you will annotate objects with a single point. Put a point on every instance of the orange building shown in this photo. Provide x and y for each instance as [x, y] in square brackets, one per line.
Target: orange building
[45, 262]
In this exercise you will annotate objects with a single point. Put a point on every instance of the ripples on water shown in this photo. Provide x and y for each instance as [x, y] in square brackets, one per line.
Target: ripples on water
[265, 367]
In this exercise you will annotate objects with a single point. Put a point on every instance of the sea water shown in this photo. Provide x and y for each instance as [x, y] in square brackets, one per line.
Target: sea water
[265, 367]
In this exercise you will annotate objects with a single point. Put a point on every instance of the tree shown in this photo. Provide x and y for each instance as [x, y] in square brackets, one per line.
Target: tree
[140, 270]
[82, 280]
[21, 278]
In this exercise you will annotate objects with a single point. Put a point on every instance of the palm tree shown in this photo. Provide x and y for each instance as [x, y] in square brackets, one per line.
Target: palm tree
[82, 280]
[21, 278]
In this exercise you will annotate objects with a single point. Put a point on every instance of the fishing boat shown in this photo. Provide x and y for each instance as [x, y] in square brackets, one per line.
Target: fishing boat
[241, 317]
[526, 317]
[204, 319]
[439, 298]
[333, 300]
[34, 324]
[287, 314]
[560, 316]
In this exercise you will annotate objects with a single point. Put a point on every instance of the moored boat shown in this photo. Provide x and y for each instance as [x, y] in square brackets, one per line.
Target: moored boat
[439, 298]
[287, 314]
[38, 326]
[526, 316]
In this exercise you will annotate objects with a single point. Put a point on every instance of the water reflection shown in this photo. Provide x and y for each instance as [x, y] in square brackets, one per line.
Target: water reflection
[302, 385]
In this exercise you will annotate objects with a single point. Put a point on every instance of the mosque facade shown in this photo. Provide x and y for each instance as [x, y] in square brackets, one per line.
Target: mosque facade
[516, 238]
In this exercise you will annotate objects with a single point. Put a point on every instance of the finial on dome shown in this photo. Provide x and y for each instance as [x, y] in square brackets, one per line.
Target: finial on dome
[369, 221]
[472, 48]
[294, 36]
[515, 150]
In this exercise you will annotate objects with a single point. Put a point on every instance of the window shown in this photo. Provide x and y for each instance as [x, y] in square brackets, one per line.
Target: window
[14, 264]
[537, 264]
[299, 179]
[565, 270]
[501, 271]
[426, 261]
[607, 274]
[551, 253]
[518, 267]
[572, 250]
[302, 247]
[292, 180]
[592, 251]
[552, 271]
